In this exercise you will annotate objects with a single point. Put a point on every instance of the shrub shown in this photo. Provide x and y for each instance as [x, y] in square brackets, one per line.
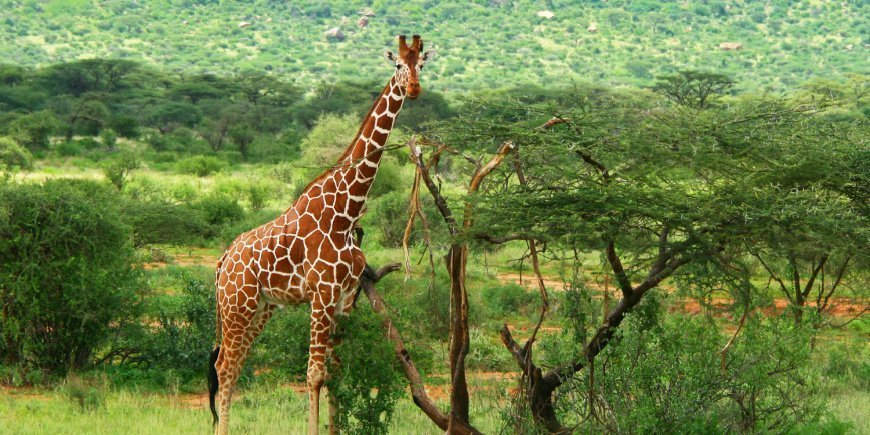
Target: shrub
[663, 376]
[233, 229]
[164, 223]
[67, 273]
[125, 126]
[13, 155]
[33, 130]
[108, 138]
[509, 299]
[282, 348]
[258, 195]
[367, 383]
[389, 178]
[390, 218]
[68, 149]
[117, 170]
[328, 139]
[175, 347]
[201, 166]
[219, 209]
[85, 396]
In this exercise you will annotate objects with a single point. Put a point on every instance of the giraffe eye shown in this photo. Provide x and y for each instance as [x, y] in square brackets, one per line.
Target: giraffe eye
[398, 66]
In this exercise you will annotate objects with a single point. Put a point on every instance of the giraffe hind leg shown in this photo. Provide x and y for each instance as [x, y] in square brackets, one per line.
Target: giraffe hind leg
[239, 333]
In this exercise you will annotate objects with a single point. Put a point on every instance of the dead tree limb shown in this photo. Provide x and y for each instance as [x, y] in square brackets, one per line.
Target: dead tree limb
[418, 390]
[456, 260]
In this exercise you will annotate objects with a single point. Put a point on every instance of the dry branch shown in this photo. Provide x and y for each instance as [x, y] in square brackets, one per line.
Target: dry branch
[418, 390]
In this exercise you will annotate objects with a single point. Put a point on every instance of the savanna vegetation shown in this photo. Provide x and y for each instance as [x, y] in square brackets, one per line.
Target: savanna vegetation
[618, 229]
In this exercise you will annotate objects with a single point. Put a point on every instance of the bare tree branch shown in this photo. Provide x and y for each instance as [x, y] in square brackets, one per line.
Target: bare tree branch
[418, 390]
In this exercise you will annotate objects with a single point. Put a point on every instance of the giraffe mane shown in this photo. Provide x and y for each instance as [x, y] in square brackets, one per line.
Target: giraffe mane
[346, 154]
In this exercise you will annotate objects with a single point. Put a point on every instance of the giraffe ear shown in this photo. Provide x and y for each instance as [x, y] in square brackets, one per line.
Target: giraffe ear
[389, 56]
[428, 55]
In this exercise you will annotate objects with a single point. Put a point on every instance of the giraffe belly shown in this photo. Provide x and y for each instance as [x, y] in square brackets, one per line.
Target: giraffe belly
[285, 290]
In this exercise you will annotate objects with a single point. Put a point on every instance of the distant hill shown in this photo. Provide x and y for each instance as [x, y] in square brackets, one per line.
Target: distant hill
[765, 45]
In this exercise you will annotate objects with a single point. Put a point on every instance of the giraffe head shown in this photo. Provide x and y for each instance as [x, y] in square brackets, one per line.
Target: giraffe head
[409, 62]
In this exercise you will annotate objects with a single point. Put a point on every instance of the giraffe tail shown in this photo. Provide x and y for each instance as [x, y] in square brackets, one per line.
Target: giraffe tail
[212, 370]
[213, 382]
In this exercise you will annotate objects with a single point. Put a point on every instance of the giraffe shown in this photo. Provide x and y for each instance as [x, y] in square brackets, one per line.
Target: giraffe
[308, 254]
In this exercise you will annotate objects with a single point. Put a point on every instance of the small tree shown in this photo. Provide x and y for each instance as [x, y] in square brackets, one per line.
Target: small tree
[693, 88]
[67, 273]
[242, 135]
[35, 129]
[119, 169]
[13, 155]
[109, 138]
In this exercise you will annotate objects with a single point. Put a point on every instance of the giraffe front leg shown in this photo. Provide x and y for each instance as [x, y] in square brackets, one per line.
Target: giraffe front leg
[318, 349]
[344, 310]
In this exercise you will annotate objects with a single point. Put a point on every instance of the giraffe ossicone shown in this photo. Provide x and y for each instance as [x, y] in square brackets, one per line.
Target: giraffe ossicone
[308, 254]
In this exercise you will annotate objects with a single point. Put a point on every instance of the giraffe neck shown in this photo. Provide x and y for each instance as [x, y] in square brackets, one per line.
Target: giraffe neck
[345, 187]
[364, 153]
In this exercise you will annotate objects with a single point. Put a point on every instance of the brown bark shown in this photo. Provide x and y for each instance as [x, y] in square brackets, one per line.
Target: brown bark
[418, 391]
[456, 260]
[542, 385]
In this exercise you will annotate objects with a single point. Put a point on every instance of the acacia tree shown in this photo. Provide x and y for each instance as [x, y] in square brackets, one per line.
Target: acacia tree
[812, 233]
[658, 191]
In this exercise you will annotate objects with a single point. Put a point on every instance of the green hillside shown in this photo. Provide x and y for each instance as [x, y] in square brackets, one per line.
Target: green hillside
[484, 44]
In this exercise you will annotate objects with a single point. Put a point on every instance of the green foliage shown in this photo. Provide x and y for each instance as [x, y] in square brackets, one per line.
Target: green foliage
[282, 348]
[693, 88]
[236, 227]
[163, 223]
[668, 376]
[108, 138]
[367, 382]
[219, 209]
[386, 216]
[257, 195]
[201, 166]
[330, 136]
[125, 126]
[14, 156]
[85, 397]
[509, 299]
[117, 170]
[33, 130]
[67, 268]
[176, 347]
[785, 42]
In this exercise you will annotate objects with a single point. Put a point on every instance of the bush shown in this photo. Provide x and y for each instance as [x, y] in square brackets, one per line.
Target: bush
[387, 217]
[108, 138]
[164, 223]
[118, 169]
[388, 180]
[33, 130]
[509, 299]
[666, 376]
[327, 140]
[177, 347]
[67, 268]
[125, 126]
[219, 209]
[13, 155]
[282, 348]
[258, 194]
[367, 383]
[201, 166]
[68, 149]
[85, 396]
